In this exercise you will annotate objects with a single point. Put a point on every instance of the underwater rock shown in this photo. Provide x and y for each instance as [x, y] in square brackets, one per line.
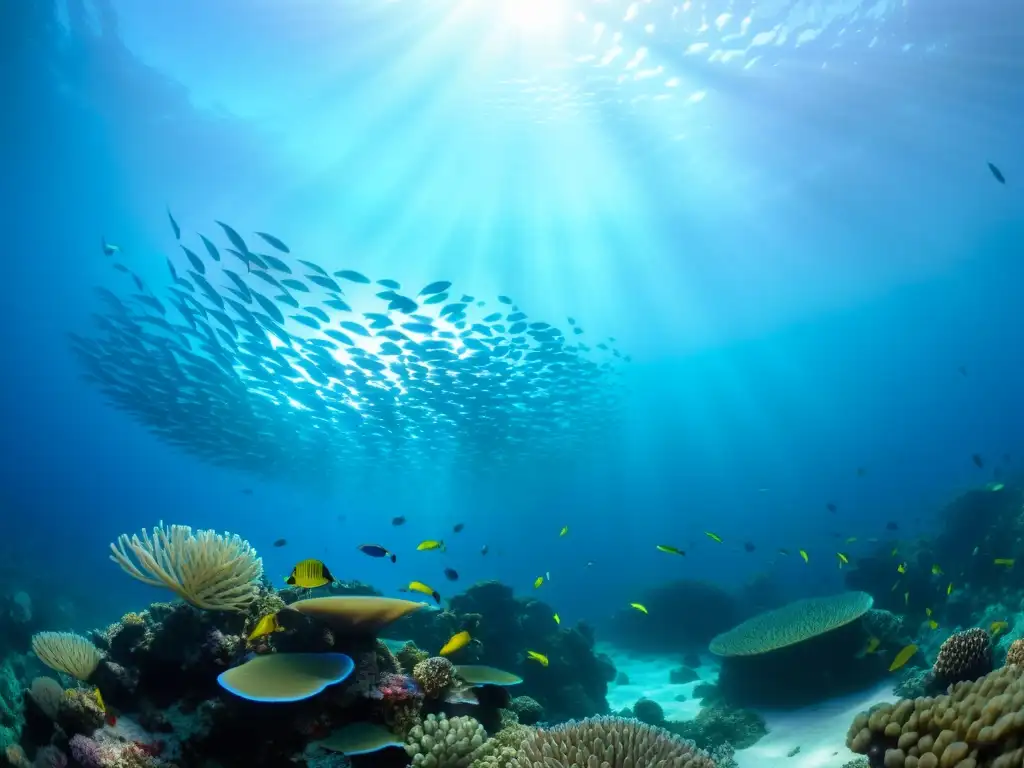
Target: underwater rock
[691, 660]
[680, 615]
[718, 725]
[681, 675]
[621, 678]
[648, 711]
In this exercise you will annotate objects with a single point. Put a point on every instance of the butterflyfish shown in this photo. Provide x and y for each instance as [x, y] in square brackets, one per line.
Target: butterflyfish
[843, 559]
[901, 568]
[557, 620]
[540, 658]
[309, 574]
[933, 624]
[997, 627]
[903, 657]
[936, 570]
[457, 642]
[565, 530]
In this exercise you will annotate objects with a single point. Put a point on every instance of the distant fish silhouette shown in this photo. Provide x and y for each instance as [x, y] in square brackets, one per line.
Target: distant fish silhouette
[997, 173]
[978, 461]
[831, 507]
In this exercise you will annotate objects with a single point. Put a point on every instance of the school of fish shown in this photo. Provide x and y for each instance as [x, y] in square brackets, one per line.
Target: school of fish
[253, 359]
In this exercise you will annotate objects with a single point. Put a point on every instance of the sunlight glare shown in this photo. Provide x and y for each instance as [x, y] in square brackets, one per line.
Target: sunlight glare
[534, 16]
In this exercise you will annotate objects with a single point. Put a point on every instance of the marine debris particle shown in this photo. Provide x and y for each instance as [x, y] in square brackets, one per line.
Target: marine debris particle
[227, 365]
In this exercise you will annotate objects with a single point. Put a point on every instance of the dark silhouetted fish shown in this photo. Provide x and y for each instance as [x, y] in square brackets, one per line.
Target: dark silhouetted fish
[997, 173]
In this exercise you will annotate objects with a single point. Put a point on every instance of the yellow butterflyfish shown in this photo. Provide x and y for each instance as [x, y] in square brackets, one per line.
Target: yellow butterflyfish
[873, 643]
[99, 699]
[901, 568]
[903, 657]
[713, 536]
[309, 574]
[843, 559]
[936, 570]
[638, 607]
[998, 626]
[933, 624]
[927, 611]
[803, 554]
[949, 589]
[537, 582]
[457, 642]
[540, 658]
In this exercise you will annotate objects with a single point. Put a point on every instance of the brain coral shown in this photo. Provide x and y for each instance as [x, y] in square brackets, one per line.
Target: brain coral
[1015, 653]
[608, 741]
[980, 723]
[791, 624]
[964, 655]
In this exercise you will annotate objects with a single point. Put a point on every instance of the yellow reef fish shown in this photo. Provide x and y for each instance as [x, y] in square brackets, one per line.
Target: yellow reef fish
[540, 658]
[804, 555]
[638, 607]
[429, 544]
[565, 530]
[713, 536]
[99, 700]
[936, 570]
[903, 657]
[996, 627]
[537, 582]
[927, 611]
[843, 559]
[557, 620]
[423, 589]
[901, 568]
[267, 625]
[1005, 561]
[933, 624]
[457, 642]
[873, 643]
[949, 589]
[309, 574]
[668, 549]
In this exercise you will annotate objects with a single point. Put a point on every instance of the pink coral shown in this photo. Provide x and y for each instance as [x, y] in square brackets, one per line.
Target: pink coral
[394, 688]
[91, 753]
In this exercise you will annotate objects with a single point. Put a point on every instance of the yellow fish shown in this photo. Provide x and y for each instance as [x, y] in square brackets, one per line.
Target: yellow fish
[537, 582]
[266, 626]
[669, 549]
[457, 642]
[873, 643]
[843, 559]
[901, 568]
[565, 530]
[903, 657]
[429, 544]
[936, 570]
[927, 611]
[998, 626]
[99, 700]
[933, 624]
[949, 589]
[803, 554]
[639, 607]
[713, 536]
[557, 620]
[309, 574]
[1007, 561]
[423, 589]
[540, 658]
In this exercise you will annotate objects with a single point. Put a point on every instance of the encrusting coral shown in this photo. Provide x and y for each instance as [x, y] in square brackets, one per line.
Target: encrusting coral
[963, 656]
[978, 724]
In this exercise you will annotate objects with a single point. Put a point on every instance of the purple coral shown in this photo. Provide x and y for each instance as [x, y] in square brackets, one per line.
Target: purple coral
[107, 753]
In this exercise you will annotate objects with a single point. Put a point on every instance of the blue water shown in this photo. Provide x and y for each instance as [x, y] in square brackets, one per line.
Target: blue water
[788, 222]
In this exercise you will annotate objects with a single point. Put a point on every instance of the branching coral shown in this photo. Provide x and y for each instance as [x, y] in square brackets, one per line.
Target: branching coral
[67, 652]
[440, 742]
[209, 570]
[609, 741]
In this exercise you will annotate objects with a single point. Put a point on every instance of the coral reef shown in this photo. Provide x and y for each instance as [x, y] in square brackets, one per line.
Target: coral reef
[527, 709]
[963, 656]
[648, 711]
[682, 615]
[978, 723]
[434, 675]
[719, 725]
[440, 742]
[1015, 653]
